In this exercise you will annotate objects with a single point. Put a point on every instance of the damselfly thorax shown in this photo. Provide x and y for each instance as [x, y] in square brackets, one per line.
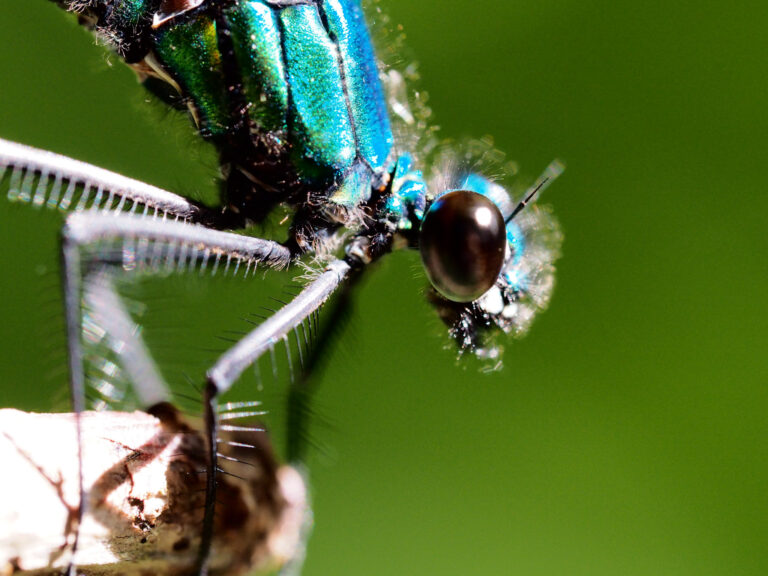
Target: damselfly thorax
[289, 92]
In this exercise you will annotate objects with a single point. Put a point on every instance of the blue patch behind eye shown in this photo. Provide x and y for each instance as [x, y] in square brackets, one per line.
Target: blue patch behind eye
[516, 240]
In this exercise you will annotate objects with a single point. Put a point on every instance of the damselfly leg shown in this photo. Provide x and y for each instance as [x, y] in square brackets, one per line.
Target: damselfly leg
[100, 243]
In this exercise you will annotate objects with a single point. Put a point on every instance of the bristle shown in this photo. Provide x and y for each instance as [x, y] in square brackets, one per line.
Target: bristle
[25, 193]
[298, 347]
[236, 444]
[15, 184]
[41, 191]
[53, 198]
[231, 475]
[230, 428]
[206, 257]
[121, 204]
[237, 460]
[97, 199]
[187, 397]
[304, 336]
[290, 359]
[109, 202]
[181, 260]
[238, 405]
[273, 361]
[84, 196]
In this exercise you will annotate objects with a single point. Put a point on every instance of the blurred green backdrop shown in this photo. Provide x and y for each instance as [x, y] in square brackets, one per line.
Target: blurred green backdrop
[627, 434]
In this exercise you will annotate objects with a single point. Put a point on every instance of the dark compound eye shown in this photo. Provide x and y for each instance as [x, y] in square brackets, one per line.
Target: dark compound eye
[462, 242]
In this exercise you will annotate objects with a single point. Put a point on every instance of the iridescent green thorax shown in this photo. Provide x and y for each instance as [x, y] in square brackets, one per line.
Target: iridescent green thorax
[324, 143]
[256, 42]
[190, 50]
[290, 92]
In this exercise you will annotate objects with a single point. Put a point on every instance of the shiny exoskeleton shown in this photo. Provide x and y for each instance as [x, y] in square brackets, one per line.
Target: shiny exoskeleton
[290, 92]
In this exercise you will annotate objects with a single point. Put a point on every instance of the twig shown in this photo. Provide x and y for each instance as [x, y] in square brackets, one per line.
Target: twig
[145, 480]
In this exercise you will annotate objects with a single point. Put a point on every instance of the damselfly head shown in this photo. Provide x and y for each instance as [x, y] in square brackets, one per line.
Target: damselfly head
[490, 259]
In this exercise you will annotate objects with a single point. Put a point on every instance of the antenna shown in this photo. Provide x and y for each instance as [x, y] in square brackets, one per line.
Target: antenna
[550, 174]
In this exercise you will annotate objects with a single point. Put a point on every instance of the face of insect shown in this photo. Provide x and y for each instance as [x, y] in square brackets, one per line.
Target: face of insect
[487, 274]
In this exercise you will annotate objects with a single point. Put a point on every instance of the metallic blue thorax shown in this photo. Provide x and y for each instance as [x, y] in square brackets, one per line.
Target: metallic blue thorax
[410, 196]
[303, 83]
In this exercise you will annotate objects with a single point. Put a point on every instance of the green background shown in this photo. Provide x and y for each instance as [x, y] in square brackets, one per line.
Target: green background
[627, 434]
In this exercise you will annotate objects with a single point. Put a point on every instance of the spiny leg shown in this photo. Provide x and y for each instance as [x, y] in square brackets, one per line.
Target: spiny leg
[109, 314]
[44, 178]
[137, 243]
[231, 365]
[71, 271]
[101, 298]
[104, 202]
[321, 339]
[302, 388]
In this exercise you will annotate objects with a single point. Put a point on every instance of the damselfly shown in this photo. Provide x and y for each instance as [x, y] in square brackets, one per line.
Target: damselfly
[305, 117]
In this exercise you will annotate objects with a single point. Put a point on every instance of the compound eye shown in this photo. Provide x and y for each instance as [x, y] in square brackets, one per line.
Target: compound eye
[462, 242]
